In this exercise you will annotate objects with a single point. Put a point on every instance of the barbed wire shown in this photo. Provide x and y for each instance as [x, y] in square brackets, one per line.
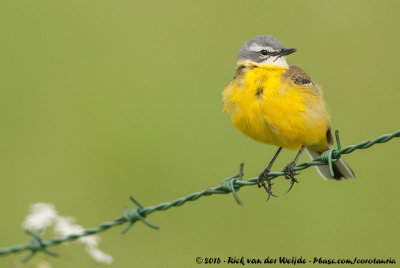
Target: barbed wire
[232, 185]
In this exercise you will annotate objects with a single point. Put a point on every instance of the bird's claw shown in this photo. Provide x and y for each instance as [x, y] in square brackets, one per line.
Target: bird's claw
[261, 183]
[290, 175]
[289, 171]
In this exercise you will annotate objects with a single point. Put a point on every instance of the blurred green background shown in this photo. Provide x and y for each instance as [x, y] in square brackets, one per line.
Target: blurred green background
[104, 99]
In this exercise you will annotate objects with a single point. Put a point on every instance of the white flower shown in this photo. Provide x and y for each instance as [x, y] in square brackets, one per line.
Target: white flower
[42, 216]
[66, 226]
[90, 241]
[99, 256]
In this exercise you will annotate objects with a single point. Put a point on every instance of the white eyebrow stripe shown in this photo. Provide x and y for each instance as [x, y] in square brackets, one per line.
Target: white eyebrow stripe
[257, 48]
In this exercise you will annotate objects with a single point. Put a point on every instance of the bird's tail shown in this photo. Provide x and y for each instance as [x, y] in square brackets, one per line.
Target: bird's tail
[340, 168]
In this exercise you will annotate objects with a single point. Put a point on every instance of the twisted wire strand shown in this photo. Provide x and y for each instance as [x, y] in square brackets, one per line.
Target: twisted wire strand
[229, 185]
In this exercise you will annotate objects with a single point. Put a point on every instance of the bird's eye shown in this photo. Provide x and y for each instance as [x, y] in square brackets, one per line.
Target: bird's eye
[264, 52]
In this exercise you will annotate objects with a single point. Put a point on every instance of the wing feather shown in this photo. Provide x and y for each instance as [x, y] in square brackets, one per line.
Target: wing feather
[299, 77]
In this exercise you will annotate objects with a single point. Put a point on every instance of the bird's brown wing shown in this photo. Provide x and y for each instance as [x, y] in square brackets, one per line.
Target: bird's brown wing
[299, 77]
[340, 168]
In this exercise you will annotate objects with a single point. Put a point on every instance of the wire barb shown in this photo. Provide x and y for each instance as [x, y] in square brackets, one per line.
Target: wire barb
[229, 184]
[135, 215]
[37, 243]
[332, 155]
[233, 184]
[339, 147]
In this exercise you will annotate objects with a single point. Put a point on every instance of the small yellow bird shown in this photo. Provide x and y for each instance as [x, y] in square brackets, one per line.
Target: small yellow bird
[276, 103]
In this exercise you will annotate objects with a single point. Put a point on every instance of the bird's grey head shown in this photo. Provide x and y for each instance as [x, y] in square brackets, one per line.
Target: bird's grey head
[264, 49]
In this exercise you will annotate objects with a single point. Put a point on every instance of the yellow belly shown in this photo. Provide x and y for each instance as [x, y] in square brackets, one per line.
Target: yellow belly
[276, 111]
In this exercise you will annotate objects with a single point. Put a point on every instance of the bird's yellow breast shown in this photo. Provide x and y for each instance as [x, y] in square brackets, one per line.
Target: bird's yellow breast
[269, 107]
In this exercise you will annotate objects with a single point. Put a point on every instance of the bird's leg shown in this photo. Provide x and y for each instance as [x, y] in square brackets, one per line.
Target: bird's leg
[264, 175]
[289, 169]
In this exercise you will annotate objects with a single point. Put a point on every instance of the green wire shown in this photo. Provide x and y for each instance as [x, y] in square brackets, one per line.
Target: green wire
[230, 185]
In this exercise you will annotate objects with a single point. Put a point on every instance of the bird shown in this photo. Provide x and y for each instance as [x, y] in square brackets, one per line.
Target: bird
[277, 103]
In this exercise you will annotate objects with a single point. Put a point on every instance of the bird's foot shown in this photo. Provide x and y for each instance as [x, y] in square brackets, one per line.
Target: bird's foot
[261, 183]
[290, 174]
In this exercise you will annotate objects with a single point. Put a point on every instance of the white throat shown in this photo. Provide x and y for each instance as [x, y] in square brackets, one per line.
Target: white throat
[274, 61]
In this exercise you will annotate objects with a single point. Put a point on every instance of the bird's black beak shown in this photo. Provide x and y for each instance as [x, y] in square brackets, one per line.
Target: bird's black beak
[286, 51]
